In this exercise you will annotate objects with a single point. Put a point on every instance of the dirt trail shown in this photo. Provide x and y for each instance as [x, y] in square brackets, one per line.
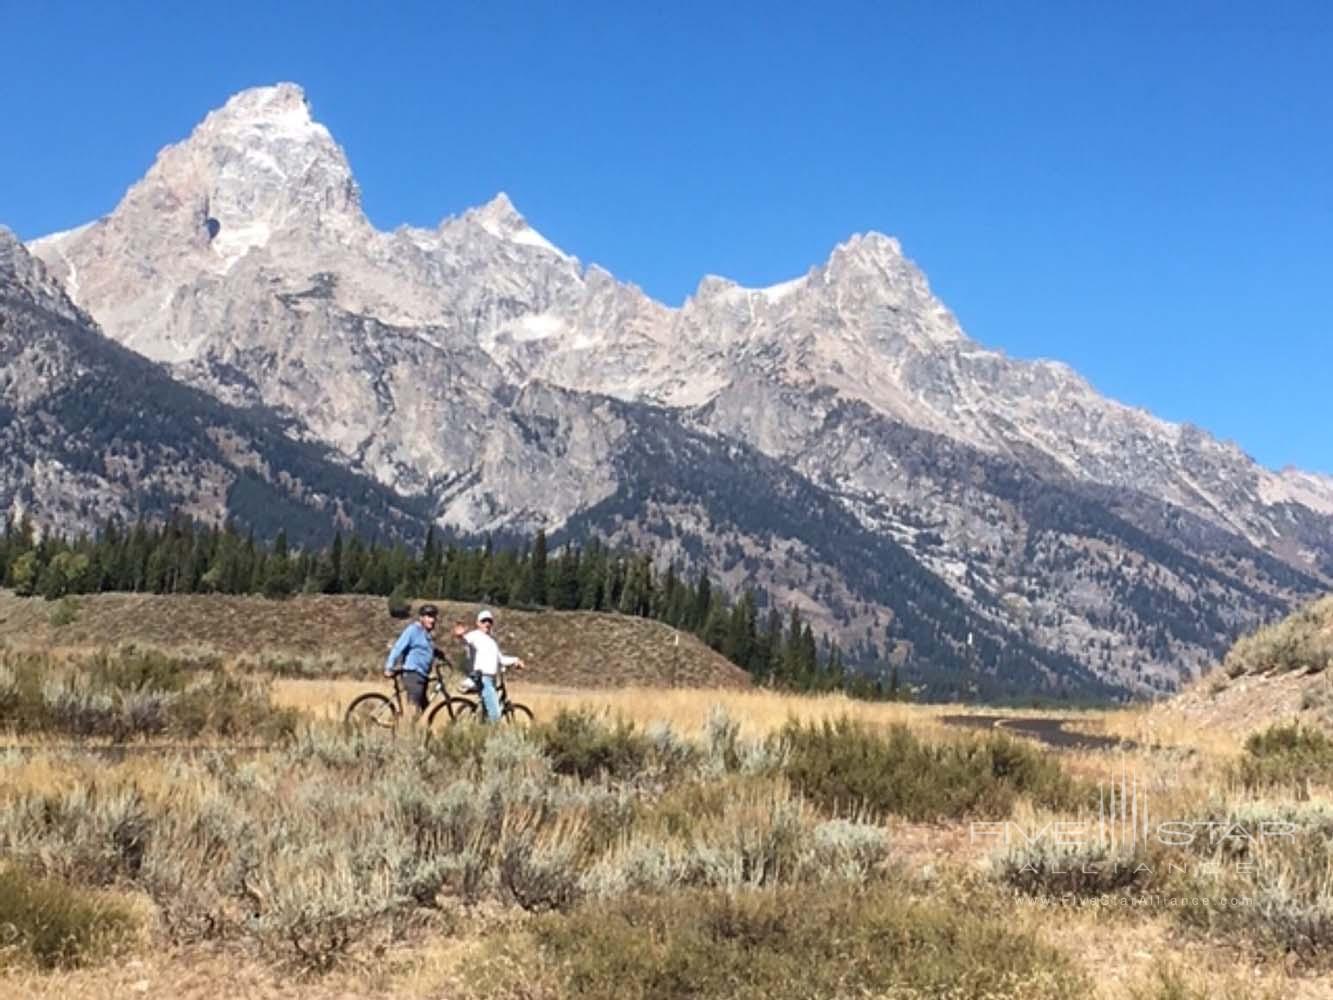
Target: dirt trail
[1050, 731]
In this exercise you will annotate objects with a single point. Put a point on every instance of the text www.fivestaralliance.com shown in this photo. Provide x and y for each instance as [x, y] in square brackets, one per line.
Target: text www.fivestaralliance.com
[1137, 902]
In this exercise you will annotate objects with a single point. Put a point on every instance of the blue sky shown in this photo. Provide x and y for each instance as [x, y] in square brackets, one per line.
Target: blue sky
[1142, 190]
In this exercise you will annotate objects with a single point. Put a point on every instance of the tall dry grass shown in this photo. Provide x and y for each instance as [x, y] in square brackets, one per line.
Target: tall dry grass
[341, 865]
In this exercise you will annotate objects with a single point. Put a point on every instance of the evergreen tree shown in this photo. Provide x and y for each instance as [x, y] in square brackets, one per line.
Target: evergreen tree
[703, 602]
[741, 641]
[566, 593]
[430, 554]
[592, 577]
[330, 575]
[537, 577]
[24, 573]
[716, 623]
[491, 586]
[277, 581]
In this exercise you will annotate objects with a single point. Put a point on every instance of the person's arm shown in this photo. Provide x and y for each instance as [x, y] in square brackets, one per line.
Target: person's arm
[512, 661]
[395, 654]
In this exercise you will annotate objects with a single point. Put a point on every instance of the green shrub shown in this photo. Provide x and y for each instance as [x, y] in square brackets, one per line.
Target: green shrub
[232, 708]
[581, 745]
[53, 924]
[845, 767]
[130, 668]
[399, 602]
[682, 808]
[134, 693]
[93, 834]
[789, 943]
[540, 877]
[1286, 755]
[1086, 870]
[317, 906]
[65, 613]
[1302, 641]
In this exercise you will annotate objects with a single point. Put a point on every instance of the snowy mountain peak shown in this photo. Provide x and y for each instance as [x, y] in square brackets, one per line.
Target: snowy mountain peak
[282, 105]
[501, 219]
[262, 153]
[501, 211]
[874, 250]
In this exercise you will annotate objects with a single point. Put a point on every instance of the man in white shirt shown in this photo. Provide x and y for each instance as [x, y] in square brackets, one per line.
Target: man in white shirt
[486, 659]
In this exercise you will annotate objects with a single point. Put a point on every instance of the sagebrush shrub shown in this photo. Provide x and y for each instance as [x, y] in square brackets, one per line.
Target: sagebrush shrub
[129, 692]
[51, 923]
[846, 767]
[1046, 868]
[1302, 641]
[1271, 885]
[581, 745]
[788, 944]
[540, 876]
[1286, 755]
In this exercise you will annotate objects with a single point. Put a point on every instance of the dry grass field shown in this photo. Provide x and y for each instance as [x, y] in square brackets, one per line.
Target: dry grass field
[642, 840]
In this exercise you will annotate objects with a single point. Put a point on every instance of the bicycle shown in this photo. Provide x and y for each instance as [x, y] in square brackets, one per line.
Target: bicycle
[464, 709]
[375, 711]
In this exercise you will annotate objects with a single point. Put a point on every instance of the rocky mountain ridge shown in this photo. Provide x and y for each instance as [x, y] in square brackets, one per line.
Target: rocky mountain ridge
[475, 366]
[90, 430]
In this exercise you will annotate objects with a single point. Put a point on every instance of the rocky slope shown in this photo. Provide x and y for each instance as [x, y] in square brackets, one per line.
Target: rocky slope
[91, 430]
[484, 370]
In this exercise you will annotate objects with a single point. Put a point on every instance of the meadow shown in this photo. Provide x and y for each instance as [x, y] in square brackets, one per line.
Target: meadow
[230, 837]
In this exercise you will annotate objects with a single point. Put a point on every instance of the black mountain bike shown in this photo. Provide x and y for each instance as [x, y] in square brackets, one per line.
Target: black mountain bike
[468, 708]
[376, 712]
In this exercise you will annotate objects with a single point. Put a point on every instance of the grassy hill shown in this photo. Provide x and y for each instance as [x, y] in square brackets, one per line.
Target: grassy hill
[1279, 674]
[1300, 643]
[323, 636]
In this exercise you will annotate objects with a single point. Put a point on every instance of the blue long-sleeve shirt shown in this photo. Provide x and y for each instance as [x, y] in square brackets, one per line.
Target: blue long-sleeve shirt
[415, 648]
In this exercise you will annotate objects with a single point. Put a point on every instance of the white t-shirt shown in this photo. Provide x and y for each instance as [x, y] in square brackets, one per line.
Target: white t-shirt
[485, 652]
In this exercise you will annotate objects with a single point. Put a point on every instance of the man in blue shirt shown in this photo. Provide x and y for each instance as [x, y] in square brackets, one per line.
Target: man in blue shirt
[415, 650]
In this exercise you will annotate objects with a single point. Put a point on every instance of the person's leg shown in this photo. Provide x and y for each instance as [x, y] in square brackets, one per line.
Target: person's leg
[415, 690]
[490, 698]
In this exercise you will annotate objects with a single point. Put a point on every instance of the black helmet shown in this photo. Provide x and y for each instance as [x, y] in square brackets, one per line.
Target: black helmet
[428, 609]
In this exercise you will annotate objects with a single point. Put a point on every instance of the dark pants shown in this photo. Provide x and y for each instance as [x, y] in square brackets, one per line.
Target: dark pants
[414, 688]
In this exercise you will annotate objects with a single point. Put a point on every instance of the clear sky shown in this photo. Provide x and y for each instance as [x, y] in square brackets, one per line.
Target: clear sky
[1141, 189]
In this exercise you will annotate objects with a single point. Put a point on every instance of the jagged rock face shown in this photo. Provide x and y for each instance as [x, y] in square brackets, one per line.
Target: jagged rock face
[470, 364]
[90, 430]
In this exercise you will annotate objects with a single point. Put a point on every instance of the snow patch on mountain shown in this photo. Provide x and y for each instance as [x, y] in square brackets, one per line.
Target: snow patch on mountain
[782, 290]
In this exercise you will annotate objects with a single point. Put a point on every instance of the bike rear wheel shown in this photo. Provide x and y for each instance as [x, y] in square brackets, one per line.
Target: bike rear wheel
[372, 713]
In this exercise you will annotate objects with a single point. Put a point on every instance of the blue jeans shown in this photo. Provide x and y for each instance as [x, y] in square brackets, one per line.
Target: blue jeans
[490, 698]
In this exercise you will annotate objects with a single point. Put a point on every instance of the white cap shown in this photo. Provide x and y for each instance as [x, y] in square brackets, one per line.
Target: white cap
[484, 615]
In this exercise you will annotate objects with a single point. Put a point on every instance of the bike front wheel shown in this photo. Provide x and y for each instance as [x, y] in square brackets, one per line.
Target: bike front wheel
[517, 715]
[512, 713]
[446, 711]
[372, 713]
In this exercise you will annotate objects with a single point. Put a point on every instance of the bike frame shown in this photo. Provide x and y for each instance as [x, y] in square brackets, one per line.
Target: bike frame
[435, 685]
